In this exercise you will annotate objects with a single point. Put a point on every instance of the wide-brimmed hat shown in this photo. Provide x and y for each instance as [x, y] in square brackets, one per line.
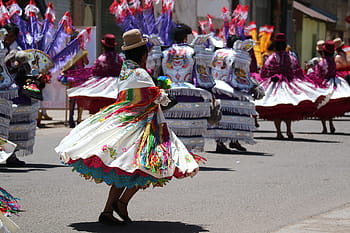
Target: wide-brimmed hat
[280, 37]
[319, 45]
[108, 40]
[328, 46]
[338, 42]
[133, 39]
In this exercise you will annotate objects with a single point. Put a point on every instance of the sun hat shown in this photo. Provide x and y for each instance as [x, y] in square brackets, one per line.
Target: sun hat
[280, 37]
[109, 40]
[338, 42]
[319, 45]
[133, 39]
[328, 46]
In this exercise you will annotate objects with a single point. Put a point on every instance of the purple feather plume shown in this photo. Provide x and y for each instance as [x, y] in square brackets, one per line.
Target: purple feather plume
[57, 42]
[21, 38]
[61, 58]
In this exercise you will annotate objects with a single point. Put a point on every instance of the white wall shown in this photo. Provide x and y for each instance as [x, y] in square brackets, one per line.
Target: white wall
[212, 7]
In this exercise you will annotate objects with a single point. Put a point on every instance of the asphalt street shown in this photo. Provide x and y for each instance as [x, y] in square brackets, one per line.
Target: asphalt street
[276, 186]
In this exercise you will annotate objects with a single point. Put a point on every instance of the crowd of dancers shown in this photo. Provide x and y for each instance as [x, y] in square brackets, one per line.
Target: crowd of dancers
[154, 105]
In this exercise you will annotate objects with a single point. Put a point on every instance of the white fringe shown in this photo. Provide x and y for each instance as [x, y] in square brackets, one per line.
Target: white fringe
[186, 115]
[25, 147]
[6, 107]
[189, 110]
[5, 122]
[186, 91]
[4, 131]
[193, 143]
[23, 127]
[188, 132]
[239, 107]
[21, 136]
[225, 135]
[24, 117]
[233, 126]
[9, 94]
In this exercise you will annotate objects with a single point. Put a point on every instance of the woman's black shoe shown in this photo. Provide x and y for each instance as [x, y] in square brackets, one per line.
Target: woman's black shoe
[222, 149]
[107, 219]
[13, 161]
[125, 217]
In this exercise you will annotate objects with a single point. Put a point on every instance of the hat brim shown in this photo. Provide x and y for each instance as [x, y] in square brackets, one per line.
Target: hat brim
[340, 45]
[133, 46]
[280, 40]
[108, 45]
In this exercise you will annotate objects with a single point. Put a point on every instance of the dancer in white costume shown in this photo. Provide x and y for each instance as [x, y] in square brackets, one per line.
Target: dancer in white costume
[8, 91]
[188, 117]
[128, 144]
[100, 89]
[45, 50]
[230, 69]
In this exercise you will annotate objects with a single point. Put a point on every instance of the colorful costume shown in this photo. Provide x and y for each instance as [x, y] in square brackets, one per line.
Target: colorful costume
[324, 75]
[289, 96]
[8, 206]
[100, 90]
[44, 50]
[128, 143]
[8, 91]
[230, 69]
[188, 117]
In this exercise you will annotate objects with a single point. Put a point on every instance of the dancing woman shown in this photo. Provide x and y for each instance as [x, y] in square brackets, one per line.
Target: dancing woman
[128, 145]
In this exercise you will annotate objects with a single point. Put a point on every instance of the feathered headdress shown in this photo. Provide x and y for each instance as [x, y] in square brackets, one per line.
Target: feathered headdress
[40, 38]
[132, 14]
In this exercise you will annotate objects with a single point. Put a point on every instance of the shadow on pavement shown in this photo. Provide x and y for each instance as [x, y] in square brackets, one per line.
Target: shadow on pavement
[139, 226]
[216, 169]
[4, 169]
[252, 153]
[37, 165]
[249, 153]
[28, 168]
[297, 140]
[330, 134]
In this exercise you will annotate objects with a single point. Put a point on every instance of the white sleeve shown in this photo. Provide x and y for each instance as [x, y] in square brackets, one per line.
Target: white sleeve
[162, 99]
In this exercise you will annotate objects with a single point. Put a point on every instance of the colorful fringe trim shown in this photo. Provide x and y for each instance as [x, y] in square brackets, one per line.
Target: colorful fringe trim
[94, 169]
[8, 203]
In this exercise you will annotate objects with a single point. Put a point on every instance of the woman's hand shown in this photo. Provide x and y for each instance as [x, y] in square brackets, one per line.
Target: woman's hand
[162, 98]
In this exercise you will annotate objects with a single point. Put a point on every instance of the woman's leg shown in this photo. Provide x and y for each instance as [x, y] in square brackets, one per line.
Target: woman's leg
[123, 201]
[278, 128]
[114, 194]
[71, 113]
[324, 127]
[256, 121]
[106, 217]
[80, 113]
[331, 126]
[289, 129]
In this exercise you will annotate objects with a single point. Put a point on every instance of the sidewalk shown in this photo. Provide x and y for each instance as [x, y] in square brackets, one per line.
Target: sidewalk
[59, 118]
[335, 221]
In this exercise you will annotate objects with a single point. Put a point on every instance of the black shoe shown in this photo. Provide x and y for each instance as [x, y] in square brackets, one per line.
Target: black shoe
[237, 145]
[290, 136]
[125, 217]
[39, 125]
[332, 130]
[71, 124]
[109, 219]
[222, 149]
[13, 161]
